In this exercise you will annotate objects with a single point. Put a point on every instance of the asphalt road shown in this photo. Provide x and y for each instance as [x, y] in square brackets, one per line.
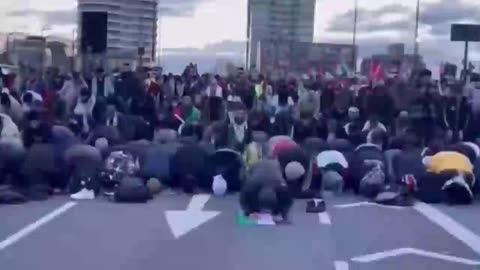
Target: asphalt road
[99, 234]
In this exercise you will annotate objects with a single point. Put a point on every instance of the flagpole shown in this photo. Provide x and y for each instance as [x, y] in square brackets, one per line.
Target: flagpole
[416, 45]
[354, 42]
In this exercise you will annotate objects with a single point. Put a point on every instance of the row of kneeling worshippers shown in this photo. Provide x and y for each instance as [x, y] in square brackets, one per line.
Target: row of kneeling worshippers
[269, 175]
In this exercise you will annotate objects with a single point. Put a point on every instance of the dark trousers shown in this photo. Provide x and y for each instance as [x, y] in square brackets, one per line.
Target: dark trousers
[429, 186]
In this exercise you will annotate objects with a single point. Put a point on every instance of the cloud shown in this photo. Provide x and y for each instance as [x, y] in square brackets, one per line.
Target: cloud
[176, 8]
[166, 8]
[435, 17]
[449, 11]
[371, 20]
[223, 47]
[50, 18]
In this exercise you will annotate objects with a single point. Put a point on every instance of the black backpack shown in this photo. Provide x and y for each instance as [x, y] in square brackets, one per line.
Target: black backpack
[132, 190]
[10, 196]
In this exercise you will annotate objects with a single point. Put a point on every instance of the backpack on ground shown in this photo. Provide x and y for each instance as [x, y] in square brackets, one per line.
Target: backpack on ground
[10, 196]
[132, 190]
[373, 182]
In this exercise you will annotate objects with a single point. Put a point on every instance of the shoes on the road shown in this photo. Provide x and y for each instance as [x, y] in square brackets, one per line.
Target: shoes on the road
[83, 194]
[316, 206]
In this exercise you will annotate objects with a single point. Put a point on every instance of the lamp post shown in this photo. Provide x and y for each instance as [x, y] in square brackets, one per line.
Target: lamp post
[416, 41]
[8, 48]
[354, 42]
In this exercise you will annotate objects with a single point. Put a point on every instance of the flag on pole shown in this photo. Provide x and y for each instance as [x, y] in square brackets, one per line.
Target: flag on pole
[342, 70]
[375, 73]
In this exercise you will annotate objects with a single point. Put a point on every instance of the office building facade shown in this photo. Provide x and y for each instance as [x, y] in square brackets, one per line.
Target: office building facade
[278, 21]
[131, 24]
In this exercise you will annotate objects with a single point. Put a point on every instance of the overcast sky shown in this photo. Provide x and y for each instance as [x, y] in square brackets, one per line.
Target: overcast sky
[197, 23]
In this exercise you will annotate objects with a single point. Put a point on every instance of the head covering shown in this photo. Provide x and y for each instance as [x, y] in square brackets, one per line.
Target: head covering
[154, 186]
[101, 144]
[331, 157]
[353, 110]
[219, 185]
[294, 170]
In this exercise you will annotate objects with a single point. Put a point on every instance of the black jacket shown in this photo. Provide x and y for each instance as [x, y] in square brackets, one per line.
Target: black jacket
[456, 114]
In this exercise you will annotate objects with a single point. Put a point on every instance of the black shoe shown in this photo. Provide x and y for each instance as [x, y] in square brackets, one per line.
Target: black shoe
[316, 206]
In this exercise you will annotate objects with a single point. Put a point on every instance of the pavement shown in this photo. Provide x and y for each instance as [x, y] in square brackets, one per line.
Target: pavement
[174, 232]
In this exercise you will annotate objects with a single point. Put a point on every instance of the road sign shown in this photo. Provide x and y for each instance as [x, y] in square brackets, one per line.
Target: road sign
[465, 32]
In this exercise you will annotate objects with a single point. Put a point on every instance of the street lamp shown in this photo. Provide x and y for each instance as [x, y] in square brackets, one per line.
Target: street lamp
[354, 42]
[416, 41]
[7, 45]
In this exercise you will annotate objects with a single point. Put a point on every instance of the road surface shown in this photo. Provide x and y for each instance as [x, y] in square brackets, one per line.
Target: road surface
[171, 232]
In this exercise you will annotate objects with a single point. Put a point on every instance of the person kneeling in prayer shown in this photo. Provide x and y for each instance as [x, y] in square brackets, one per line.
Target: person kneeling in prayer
[266, 191]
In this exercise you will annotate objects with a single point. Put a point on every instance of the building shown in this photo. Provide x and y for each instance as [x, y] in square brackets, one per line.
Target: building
[59, 56]
[302, 57]
[396, 50]
[278, 21]
[131, 25]
[30, 52]
[394, 61]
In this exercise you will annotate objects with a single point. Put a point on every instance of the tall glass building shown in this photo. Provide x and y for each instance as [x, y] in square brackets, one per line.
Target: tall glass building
[278, 21]
[132, 24]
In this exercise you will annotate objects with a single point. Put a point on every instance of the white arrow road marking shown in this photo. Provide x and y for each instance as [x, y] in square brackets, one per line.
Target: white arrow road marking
[184, 221]
[360, 204]
[324, 218]
[341, 265]
[450, 225]
[408, 251]
[12, 239]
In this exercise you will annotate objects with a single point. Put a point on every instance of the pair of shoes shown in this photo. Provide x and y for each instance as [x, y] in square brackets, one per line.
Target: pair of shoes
[316, 206]
[83, 194]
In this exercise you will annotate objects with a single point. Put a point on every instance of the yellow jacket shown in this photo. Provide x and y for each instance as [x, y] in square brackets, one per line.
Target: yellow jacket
[452, 161]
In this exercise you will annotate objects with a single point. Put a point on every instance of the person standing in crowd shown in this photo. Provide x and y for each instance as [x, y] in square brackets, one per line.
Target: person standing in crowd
[71, 90]
[101, 84]
[188, 112]
[237, 134]
[215, 95]
[353, 129]
[424, 110]
[84, 108]
[381, 104]
[456, 113]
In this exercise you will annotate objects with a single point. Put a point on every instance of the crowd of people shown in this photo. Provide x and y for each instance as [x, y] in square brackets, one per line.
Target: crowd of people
[128, 135]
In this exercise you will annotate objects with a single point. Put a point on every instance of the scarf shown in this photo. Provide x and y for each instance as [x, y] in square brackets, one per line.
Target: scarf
[113, 122]
[368, 126]
[239, 131]
[85, 111]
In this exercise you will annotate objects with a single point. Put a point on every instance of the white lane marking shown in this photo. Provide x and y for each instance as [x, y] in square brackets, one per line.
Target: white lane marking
[341, 265]
[406, 251]
[12, 239]
[360, 204]
[449, 225]
[324, 218]
[181, 222]
[198, 202]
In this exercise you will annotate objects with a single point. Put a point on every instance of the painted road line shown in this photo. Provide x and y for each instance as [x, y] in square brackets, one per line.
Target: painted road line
[181, 222]
[324, 218]
[370, 258]
[361, 204]
[450, 225]
[12, 239]
[341, 265]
